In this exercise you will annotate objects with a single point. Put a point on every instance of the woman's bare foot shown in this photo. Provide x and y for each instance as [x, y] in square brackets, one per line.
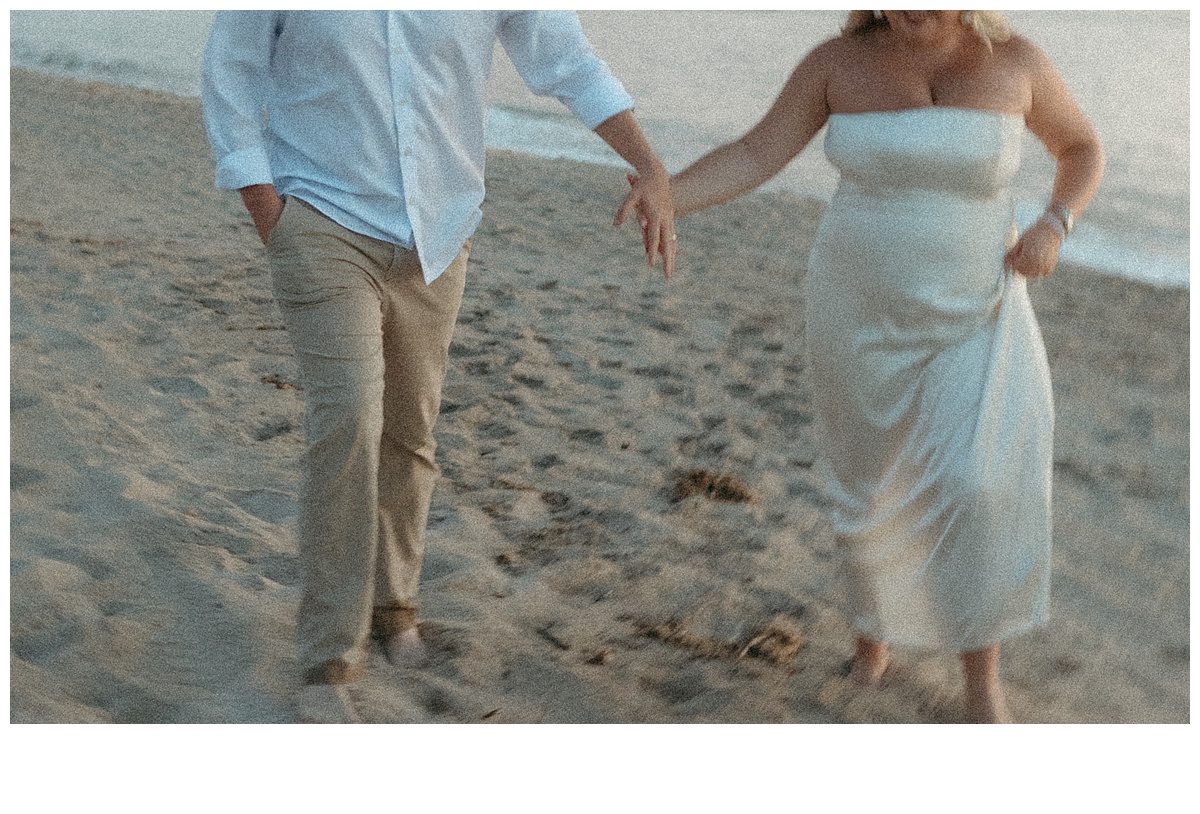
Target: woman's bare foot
[405, 649]
[326, 704]
[988, 708]
[983, 693]
[870, 660]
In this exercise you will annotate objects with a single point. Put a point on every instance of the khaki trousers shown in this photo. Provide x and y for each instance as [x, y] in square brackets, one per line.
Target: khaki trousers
[371, 340]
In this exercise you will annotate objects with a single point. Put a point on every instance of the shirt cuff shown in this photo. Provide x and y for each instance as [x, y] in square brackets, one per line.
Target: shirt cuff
[600, 102]
[243, 168]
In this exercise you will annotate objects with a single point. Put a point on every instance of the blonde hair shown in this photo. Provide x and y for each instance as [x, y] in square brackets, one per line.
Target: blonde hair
[990, 26]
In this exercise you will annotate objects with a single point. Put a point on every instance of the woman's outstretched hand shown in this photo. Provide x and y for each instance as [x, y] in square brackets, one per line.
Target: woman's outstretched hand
[650, 199]
[1035, 254]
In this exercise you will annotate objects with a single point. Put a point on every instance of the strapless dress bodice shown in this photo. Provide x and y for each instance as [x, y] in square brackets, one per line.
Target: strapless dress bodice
[969, 152]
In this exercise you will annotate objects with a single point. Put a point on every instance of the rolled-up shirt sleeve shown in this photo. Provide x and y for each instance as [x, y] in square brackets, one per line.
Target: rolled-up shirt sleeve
[554, 58]
[234, 86]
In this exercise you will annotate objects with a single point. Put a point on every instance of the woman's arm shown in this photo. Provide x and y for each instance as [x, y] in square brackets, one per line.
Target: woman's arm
[736, 168]
[1059, 123]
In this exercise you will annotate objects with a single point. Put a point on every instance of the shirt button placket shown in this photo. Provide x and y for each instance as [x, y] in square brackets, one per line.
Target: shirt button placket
[399, 74]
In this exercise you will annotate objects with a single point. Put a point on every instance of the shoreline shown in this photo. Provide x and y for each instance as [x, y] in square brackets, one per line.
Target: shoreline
[156, 426]
[564, 132]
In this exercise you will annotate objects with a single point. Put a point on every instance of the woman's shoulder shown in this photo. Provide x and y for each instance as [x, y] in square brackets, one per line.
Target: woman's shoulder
[1022, 53]
[841, 50]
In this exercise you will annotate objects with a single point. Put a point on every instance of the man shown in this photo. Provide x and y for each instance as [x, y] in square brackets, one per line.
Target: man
[356, 141]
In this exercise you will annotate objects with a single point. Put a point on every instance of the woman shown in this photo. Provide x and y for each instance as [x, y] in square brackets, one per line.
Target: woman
[929, 375]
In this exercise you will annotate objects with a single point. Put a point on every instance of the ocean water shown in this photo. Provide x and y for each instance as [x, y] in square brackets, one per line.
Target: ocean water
[701, 78]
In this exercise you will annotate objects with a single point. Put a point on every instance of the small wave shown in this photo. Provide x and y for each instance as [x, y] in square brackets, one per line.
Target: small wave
[1097, 252]
[114, 72]
[1161, 259]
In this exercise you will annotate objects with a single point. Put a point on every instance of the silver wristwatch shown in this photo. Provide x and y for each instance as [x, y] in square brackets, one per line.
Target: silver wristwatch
[1062, 213]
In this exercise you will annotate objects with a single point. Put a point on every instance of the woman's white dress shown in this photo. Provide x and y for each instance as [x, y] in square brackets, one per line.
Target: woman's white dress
[930, 380]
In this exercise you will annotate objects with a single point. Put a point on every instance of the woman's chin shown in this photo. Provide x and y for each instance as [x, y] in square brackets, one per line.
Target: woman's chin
[924, 27]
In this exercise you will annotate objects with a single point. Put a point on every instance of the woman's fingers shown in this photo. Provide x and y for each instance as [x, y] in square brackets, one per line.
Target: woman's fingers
[1010, 257]
[1035, 254]
[626, 206]
[658, 232]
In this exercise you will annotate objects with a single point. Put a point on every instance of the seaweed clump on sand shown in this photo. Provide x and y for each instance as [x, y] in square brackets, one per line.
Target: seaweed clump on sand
[712, 485]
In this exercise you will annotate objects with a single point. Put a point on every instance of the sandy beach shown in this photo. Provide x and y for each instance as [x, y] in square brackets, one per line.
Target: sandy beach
[629, 527]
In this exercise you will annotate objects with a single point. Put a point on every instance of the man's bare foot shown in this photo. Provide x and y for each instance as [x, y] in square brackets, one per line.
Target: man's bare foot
[326, 704]
[405, 649]
[870, 660]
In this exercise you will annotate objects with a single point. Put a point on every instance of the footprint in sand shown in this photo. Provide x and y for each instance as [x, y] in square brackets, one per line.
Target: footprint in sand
[18, 400]
[282, 569]
[438, 564]
[557, 693]
[21, 477]
[495, 431]
[273, 429]
[587, 436]
[129, 703]
[532, 382]
[690, 693]
[53, 605]
[182, 386]
[600, 381]
[266, 504]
